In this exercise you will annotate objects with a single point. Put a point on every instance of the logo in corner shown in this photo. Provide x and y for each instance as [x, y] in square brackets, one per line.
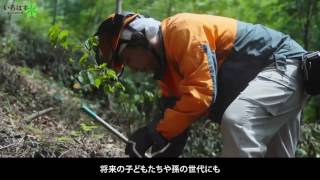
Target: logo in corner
[31, 9]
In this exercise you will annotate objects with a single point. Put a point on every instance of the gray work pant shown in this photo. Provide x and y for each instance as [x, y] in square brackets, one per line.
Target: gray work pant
[264, 120]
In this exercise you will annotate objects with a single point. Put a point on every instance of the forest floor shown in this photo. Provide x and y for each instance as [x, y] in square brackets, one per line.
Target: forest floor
[65, 131]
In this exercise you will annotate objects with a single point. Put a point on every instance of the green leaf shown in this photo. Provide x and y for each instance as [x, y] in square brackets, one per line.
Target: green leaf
[103, 66]
[95, 41]
[111, 74]
[108, 89]
[149, 94]
[92, 42]
[91, 69]
[138, 98]
[83, 59]
[64, 139]
[64, 45]
[63, 35]
[75, 133]
[97, 82]
[53, 34]
[87, 128]
[91, 78]
[118, 85]
[83, 77]
[70, 60]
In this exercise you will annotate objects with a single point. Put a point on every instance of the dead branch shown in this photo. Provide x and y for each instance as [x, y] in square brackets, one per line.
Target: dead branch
[37, 114]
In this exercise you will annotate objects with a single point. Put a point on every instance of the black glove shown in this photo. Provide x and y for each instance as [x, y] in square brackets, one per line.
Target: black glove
[146, 137]
[176, 147]
[142, 139]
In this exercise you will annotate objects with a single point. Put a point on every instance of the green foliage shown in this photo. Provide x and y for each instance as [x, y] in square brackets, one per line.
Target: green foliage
[75, 133]
[53, 34]
[309, 145]
[64, 139]
[204, 140]
[312, 110]
[6, 45]
[138, 94]
[3, 24]
[92, 74]
[138, 100]
[87, 128]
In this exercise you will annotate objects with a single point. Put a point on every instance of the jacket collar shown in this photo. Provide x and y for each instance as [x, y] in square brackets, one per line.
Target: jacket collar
[158, 75]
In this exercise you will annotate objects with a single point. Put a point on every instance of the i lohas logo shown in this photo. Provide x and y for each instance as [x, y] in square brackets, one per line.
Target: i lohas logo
[27, 8]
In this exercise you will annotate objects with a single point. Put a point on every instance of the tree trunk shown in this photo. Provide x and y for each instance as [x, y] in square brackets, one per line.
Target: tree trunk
[55, 12]
[307, 24]
[119, 6]
[169, 8]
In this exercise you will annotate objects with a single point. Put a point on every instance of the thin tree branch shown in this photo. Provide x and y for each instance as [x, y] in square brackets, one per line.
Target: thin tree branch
[37, 114]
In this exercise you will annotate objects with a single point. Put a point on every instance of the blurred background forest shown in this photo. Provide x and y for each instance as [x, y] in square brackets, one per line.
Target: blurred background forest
[45, 62]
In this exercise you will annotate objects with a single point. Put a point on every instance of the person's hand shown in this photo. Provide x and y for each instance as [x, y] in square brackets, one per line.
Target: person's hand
[142, 139]
[146, 137]
[176, 147]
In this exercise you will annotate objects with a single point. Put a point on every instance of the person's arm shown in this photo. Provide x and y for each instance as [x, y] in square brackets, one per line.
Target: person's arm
[197, 65]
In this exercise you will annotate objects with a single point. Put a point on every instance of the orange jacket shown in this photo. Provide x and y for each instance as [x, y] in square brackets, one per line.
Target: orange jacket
[191, 73]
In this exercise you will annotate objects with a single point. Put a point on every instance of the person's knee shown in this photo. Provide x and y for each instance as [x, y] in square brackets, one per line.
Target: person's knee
[233, 116]
[228, 120]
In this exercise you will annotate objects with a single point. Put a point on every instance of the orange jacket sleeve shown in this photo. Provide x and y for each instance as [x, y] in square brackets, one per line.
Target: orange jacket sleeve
[185, 47]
